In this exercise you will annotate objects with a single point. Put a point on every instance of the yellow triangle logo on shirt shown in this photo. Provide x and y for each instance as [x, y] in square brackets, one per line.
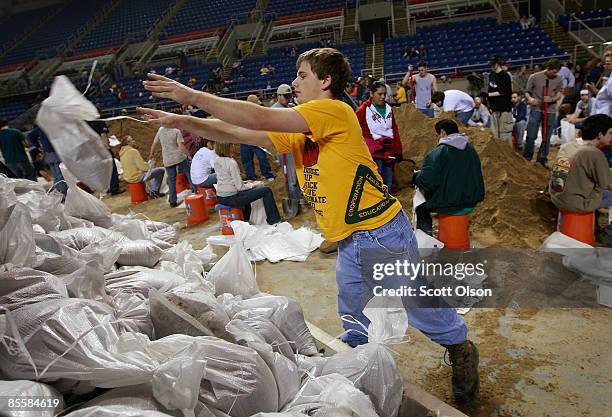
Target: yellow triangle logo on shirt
[364, 177]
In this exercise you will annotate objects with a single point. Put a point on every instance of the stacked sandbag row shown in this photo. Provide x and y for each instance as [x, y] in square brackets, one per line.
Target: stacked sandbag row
[110, 315]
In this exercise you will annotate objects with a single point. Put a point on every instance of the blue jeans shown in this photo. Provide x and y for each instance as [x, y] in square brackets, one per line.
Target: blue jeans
[606, 201]
[519, 131]
[156, 175]
[533, 124]
[427, 112]
[114, 184]
[208, 182]
[246, 156]
[292, 182]
[442, 324]
[182, 167]
[23, 169]
[243, 200]
[385, 169]
[54, 162]
[464, 116]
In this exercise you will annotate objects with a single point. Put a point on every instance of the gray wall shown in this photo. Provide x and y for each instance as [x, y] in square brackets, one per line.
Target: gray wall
[374, 11]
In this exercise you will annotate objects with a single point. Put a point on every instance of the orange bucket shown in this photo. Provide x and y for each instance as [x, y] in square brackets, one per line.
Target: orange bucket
[227, 215]
[196, 210]
[138, 192]
[453, 231]
[181, 183]
[579, 226]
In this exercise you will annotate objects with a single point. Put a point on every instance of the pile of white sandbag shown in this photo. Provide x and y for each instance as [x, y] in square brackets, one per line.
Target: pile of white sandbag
[111, 316]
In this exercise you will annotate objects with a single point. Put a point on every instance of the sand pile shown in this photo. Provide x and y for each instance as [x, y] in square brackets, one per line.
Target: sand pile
[514, 213]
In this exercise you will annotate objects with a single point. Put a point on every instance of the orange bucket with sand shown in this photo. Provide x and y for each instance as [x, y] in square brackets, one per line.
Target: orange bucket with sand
[453, 231]
[196, 209]
[138, 192]
[580, 226]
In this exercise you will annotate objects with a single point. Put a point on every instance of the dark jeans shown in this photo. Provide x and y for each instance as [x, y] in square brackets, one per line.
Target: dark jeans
[209, 182]
[464, 116]
[114, 184]
[23, 170]
[424, 221]
[385, 169]
[246, 156]
[243, 200]
[182, 167]
[533, 124]
[427, 112]
[53, 161]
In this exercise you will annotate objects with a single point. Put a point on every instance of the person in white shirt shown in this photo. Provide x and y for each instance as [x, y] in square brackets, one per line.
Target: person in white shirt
[456, 101]
[175, 158]
[202, 166]
[569, 80]
[233, 192]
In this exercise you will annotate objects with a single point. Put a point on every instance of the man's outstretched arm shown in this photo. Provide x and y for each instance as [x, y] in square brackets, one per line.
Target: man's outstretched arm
[239, 113]
[213, 129]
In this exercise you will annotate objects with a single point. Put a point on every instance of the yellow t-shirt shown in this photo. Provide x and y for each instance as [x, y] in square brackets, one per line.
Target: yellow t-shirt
[335, 171]
[400, 94]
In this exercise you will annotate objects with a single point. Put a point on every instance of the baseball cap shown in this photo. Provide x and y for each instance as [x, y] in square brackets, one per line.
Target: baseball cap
[252, 98]
[584, 92]
[283, 89]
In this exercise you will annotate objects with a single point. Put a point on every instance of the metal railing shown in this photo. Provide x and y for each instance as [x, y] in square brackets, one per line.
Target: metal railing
[585, 36]
[464, 69]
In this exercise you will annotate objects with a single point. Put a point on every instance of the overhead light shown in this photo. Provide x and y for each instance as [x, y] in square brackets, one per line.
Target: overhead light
[607, 43]
[590, 46]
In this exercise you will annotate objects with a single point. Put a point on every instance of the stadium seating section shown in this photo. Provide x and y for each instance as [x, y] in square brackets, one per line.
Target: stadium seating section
[201, 15]
[592, 18]
[45, 32]
[131, 19]
[470, 43]
[50, 39]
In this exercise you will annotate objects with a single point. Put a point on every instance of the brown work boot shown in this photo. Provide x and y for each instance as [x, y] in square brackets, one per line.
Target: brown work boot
[328, 247]
[464, 360]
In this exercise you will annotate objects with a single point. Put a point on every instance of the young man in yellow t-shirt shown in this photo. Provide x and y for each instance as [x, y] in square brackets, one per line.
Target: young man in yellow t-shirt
[341, 183]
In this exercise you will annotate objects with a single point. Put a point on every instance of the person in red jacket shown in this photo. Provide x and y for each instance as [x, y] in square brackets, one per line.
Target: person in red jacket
[380, 131]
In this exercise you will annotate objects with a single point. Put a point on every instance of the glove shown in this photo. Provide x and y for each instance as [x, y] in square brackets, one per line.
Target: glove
[398, 157]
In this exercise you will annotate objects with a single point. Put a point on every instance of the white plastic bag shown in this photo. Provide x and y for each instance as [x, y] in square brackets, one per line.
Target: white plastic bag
[85, 206]
[23, 286]
[371, 367]
[258, 213]
[133, 229]
[233, 273]
[46, 209]
[16, 237]
[62, 117]
[169, 319]
[132, 312]
[139, 252]
[331, 395]
[114, 411]
[30, 389]
[284, 312]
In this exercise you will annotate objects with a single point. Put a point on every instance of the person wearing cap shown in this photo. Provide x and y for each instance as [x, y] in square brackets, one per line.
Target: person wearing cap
[583, 109]
[284, 100]
[380, 132]
[500, 104]
[341, 183]
[456, 101]
[247, 152]
[136, 170]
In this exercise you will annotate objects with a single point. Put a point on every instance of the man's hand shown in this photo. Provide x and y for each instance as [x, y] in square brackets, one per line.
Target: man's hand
[160, 118]
[592, 88]
[549, 99]
[164, 87]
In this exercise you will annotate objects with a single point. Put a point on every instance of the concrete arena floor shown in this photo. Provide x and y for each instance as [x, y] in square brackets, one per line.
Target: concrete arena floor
[533, 363]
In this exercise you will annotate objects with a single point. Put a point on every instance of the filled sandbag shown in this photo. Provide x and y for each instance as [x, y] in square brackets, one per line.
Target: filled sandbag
[29, 390]
[371, 367]
[169, 319]
[132, 312]
[21, 286]
[16, 236]
[140, 279]
[331, 395]
[79, 238]
[45, 209]
[284, 312]
[115, 411]
[268, 331]
[139, 252]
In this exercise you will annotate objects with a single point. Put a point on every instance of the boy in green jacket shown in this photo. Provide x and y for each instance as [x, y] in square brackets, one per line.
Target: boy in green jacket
[450, 178]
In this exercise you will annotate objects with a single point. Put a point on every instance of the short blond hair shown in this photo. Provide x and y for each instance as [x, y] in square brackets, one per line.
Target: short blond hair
[223, 149]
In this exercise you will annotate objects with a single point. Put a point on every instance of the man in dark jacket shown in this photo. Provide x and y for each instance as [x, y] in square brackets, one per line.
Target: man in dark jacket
[450, 177]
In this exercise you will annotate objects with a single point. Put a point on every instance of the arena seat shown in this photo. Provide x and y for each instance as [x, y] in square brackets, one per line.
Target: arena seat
[290, 7]
[198, 15]
[130, 19]
[54, 34]
[592, 18]
[17, 25]
[470, 43]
